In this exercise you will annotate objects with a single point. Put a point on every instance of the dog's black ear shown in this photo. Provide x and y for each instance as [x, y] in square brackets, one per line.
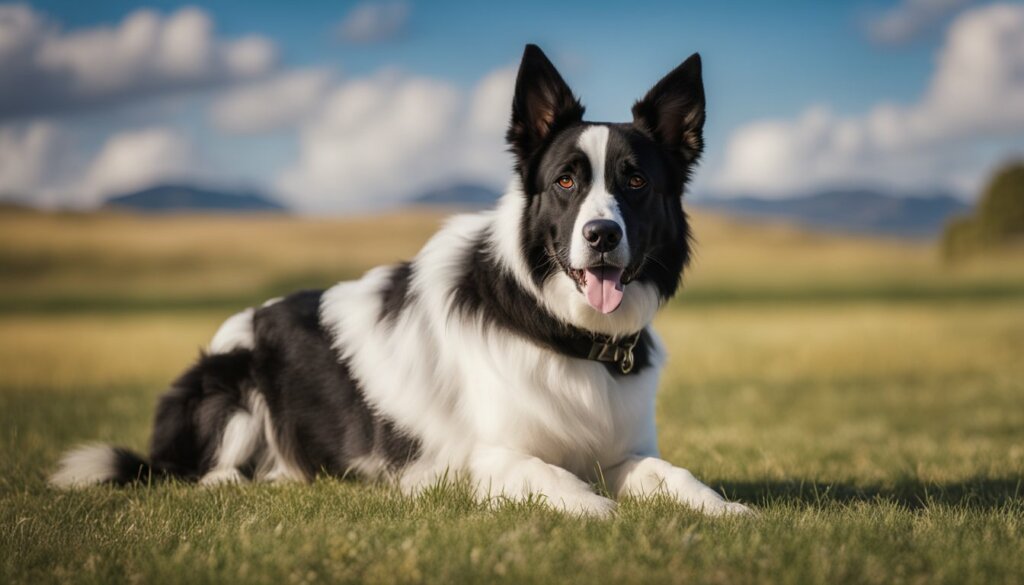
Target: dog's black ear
[673, 111]
[542, 104]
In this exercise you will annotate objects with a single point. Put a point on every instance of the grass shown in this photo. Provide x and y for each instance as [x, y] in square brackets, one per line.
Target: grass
[880, 434]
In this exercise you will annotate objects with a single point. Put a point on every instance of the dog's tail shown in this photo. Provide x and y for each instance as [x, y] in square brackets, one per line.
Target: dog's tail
[96, 464]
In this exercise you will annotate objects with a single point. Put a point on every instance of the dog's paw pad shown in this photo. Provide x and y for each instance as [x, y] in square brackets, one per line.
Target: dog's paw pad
[723, 508]
[590, 505]
[223, 477]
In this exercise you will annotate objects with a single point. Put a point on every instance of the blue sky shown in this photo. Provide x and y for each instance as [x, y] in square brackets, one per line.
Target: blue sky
[797, 94]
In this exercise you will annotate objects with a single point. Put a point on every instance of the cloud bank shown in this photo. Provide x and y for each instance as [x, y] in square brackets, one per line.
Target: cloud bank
[45, 70]
[910, 18]
[136, 159]
[975, 94]
[374, 22]
[378, 140]
[24, 156]
[39, 163]
[280, 102]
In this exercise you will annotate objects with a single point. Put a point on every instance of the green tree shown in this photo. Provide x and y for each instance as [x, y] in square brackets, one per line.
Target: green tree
[998, 218]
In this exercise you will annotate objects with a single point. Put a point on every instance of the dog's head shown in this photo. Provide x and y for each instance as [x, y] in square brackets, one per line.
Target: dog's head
[603, 229]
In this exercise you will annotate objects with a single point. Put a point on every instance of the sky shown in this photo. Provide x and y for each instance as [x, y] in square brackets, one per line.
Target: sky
[351, 106]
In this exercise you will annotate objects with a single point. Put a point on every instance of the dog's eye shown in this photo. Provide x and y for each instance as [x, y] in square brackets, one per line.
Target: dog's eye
[637, 182]
[566, 182]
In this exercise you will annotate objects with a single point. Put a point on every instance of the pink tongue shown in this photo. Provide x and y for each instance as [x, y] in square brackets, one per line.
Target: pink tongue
[604, 288]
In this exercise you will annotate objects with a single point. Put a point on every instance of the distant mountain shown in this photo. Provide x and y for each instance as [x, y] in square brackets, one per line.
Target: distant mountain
[465, 195]
[862, 211]
[170, 198]
[854, 210]
[14, 204]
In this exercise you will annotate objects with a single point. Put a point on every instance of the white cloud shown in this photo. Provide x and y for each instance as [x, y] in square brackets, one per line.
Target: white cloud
[135, 159]
[44, 69]
[363, 143]
[24, 156]
[976, 94]
[490, 104]
[485, 158]
[41, 163]
[249, 56]
[909, 18]
[384, 138]
[372, 22]
[275, 103]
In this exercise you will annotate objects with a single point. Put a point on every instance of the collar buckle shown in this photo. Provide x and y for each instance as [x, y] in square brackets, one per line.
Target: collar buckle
[606, 349]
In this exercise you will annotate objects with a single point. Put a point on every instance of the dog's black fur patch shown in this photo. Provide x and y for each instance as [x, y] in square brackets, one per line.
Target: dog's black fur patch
[320, 415]
[395, 293]
[191, 415]
[319, 411]
[490, 293]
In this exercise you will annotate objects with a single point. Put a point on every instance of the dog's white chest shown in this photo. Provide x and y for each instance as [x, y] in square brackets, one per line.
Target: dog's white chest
[565, 411]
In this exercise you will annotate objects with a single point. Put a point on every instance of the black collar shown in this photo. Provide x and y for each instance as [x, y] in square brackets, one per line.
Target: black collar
[621, 355]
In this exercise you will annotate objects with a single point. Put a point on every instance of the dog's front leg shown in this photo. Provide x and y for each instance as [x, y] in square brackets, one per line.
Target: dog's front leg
[499, 472]
[645, 476]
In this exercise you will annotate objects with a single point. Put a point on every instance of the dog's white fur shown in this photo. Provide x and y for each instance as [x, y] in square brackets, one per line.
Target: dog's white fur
[85, 465]
[235, 333]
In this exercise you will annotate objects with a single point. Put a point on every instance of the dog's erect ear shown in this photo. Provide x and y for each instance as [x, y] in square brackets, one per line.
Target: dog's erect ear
[542, 104]
[673, 111]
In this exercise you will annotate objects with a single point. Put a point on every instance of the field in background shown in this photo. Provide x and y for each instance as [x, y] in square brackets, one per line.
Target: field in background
[866, 397]
[117, 262]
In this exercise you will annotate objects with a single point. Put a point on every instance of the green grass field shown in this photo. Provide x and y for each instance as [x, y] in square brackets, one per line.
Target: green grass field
[868, 400]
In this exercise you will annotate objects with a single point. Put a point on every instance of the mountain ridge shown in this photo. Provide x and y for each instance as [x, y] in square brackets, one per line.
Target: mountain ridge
[851, 210]
[169, 198]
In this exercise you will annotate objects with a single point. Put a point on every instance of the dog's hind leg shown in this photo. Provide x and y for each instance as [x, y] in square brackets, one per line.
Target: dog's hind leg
[240, 442]
[202, 425]
[205, 428]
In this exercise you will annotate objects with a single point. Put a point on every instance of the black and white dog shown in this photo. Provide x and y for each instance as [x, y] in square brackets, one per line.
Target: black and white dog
[515, 349]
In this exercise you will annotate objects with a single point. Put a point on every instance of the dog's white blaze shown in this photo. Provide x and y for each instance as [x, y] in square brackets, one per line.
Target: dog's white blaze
[599, 204]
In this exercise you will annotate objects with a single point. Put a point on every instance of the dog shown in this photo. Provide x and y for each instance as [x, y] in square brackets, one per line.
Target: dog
[515, 349]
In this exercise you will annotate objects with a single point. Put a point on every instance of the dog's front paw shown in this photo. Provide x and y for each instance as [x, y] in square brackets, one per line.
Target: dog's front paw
[584, 504]
[712, 503]
[223, 477]
[724, 508]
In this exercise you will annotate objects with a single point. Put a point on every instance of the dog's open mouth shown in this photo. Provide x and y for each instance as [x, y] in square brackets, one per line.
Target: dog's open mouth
[601, 285]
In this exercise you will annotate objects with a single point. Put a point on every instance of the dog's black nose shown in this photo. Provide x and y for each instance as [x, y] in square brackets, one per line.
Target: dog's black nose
[603, 234]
